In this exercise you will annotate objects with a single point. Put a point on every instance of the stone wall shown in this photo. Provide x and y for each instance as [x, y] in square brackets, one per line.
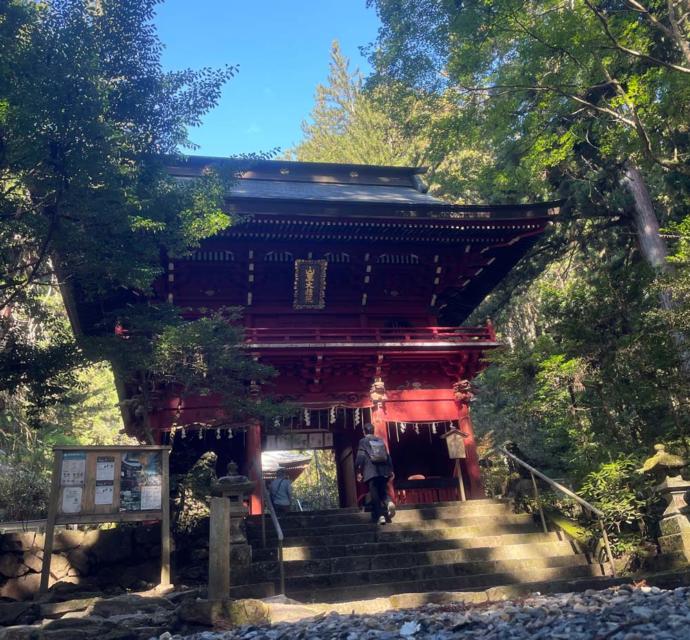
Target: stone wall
[126, 557]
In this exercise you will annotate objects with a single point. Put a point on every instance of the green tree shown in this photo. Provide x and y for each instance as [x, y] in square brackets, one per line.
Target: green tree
[89, 124]
[317, 486]
[587, 101]
[157, 352]
[88, 119]
[347, 125]
[590, 98]
[388, 124]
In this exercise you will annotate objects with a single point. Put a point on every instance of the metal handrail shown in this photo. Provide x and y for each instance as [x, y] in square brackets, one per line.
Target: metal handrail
[592, 509]
[279, 535]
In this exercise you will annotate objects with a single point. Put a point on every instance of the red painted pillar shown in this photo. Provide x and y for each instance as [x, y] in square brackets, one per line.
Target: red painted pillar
[378, 417]
[476, 490]
[253, 465]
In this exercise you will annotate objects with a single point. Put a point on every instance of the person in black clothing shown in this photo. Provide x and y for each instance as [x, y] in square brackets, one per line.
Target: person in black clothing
[374, 466]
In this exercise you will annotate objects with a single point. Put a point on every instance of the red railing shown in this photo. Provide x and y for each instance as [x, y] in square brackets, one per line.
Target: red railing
[259, 335]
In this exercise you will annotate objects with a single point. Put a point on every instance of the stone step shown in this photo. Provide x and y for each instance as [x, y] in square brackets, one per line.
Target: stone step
[389, 533]
[254, 532]
[422, 572]
[452, 503]
[400, 507]
[260, 554]
[378, 562]
[441, 511]
[521, 523]
[361, 591]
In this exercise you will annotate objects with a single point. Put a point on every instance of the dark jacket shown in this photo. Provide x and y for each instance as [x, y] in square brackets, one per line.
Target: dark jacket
[368, 468]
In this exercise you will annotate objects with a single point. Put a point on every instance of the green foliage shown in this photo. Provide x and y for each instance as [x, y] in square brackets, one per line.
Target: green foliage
[89, 123]
[89, 119]
[159, 352]
[191, 492]
[24, 488]
[348, 126]
[619, 492]
[317, 486]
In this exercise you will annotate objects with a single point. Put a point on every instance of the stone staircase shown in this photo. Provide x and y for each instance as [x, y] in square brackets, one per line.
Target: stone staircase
[338, 555]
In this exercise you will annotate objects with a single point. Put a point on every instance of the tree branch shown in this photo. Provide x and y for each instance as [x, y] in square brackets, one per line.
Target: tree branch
[42, 255]
[553, 47]
[638, 54]
[678, 35]
[634, 123]
[652, 19]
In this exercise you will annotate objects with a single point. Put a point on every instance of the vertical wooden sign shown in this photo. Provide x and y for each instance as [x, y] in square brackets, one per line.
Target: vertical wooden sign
[310, 284]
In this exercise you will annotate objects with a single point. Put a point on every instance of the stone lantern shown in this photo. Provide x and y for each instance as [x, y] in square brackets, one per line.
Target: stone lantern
[225, 530]
[674, 525]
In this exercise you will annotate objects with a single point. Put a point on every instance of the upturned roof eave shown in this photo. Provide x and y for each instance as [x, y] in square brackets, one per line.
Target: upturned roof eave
[324, 166]
[548, 210]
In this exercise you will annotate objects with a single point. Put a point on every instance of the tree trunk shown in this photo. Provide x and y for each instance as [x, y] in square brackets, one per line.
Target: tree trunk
[653, 248]
[676, 29]
[652, 244]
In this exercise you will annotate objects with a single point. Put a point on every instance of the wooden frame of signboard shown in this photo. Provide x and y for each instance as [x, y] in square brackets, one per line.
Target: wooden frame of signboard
[83, 480]
[455, 441]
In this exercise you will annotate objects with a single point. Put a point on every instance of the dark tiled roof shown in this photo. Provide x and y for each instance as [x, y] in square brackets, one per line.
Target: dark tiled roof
[331, 192]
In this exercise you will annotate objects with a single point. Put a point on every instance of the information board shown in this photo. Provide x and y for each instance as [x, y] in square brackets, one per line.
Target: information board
[92, 485]
[109, 481]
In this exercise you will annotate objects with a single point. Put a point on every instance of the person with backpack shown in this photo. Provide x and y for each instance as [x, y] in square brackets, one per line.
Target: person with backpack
[374, 466]
[281, 492]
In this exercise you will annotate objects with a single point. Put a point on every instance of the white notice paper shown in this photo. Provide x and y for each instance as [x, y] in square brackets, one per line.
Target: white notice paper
[71, 500]
[150, 497]
[104, 494]
[105, 468]
[73, 468]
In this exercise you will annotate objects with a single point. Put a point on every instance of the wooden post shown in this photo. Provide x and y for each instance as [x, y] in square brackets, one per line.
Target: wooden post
[50, 522]
[461, 485]
[472, 459]
[165, 520]
[253, 465]
[346, 467]
[219, 549]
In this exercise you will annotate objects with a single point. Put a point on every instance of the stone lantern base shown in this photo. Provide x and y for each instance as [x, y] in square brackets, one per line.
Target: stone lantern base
[240, 550]
[675, 525]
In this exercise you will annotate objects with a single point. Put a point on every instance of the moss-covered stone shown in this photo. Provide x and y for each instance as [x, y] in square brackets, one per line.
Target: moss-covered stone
[211, 613]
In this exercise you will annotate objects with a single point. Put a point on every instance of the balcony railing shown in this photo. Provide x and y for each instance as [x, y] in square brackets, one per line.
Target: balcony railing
[381, 335]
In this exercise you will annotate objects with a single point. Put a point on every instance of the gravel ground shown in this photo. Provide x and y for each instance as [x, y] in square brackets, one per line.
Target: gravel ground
[621, 613]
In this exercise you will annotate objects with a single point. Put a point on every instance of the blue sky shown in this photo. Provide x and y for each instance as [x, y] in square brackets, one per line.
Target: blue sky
[283, 49]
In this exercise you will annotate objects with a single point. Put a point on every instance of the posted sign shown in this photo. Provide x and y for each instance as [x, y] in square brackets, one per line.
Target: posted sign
[92, 485]
[100, 482]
